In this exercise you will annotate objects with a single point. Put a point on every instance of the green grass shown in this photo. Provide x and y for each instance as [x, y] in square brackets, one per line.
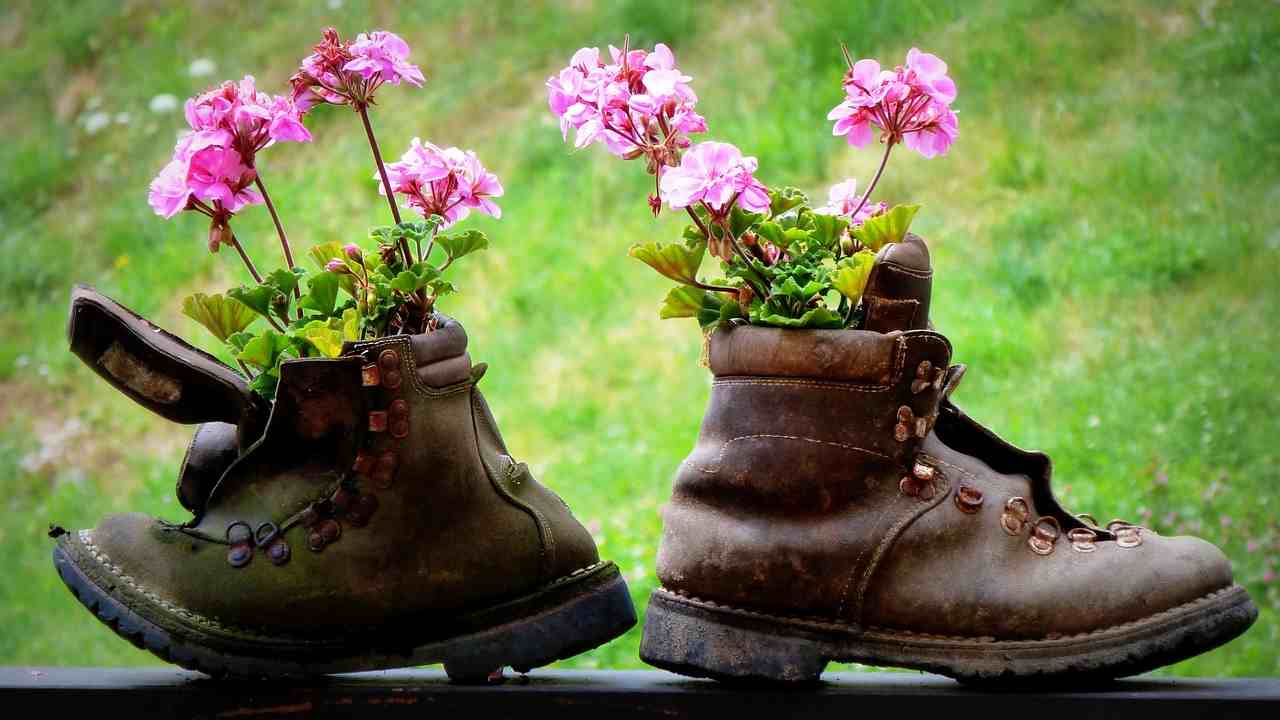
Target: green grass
[1105, 232]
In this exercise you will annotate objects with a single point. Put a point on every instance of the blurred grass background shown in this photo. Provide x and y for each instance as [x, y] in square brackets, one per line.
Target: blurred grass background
[1105, 236]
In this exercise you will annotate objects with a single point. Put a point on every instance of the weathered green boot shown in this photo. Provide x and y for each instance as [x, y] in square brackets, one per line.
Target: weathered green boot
[374, 520]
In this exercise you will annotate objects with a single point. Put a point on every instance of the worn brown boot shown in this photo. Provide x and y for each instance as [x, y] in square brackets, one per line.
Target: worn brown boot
[838, 506]
[375, 520]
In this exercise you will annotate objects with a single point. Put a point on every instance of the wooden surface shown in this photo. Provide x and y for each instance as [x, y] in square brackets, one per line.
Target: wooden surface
[162, 692]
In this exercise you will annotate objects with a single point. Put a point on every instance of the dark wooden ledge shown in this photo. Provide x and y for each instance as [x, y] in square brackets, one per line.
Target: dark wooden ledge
[562, 695]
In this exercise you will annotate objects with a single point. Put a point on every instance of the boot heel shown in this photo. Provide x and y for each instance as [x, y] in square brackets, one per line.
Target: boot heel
[702, 641]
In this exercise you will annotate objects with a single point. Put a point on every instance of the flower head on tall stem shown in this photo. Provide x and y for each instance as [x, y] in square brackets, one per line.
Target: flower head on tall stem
[447, 182]
[910, 104]
[339, 73]
[254, 120]
[639, 105]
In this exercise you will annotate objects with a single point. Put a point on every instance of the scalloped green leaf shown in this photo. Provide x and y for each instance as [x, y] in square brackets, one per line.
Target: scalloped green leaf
[463, 243]
[888, 227]
[322, 293]
[673, 260]
[850, 276]
[784, 199]
[223, 316]
[326, 338]
[264, 349]
[817, 317]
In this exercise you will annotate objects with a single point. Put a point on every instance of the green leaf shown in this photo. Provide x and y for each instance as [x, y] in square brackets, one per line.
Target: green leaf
[462, 244]
[850, 277]
[686, 301]
[265, 384]
[324, 337]
[784, 199]
[322, 293]
[222, 316]
[772, 232]
[323, 253]
[284, 280]
[349, 324]
[407, 283]
[889, 227]
[741, 221]
[791, 236]
[673, 260]
[264, 350]
[682, 301]
[440, 288]
[827, 229]
[257, 298]
[817, 317]
[237, 341]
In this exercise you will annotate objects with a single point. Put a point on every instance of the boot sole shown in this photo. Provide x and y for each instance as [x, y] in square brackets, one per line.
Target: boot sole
[568, 617]
[703, 639]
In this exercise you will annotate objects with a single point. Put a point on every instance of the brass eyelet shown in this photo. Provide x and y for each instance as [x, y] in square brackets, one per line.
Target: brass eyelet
[1015, 516]
[1045, 533]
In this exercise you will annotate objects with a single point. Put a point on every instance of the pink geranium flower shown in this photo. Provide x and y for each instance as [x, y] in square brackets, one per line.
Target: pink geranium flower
[716, 174]
[254, 120]
[843, 199]
[443, 181]
[382, 56]
[910, 105]
[341, 73]
[638, 105]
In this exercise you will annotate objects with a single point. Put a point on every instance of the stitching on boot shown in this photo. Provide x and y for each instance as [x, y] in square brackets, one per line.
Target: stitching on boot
[547, 549]
[115, 571]
[694, 601]
[755, 380]
[909, 516]
[897, 267]
[719, 461]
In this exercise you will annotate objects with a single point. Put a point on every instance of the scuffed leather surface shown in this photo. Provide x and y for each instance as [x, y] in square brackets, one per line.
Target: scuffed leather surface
[900, 287]
[206, 390]
[961, 574]
[842, 355]
[794, 479]
[213, 448]
[443, 541]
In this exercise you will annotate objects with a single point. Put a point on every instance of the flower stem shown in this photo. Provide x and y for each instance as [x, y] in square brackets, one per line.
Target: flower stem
[253, 270]
[284, 239]
[386, 182]
[698, 221]
[867, 195]
[235, 242]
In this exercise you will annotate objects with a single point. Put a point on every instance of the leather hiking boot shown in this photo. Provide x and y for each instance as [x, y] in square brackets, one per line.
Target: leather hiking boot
[375, 519]
[838, 506]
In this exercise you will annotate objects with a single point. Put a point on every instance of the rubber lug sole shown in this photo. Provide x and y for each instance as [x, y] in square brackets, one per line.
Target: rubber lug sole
[703, 639]
[598, 609]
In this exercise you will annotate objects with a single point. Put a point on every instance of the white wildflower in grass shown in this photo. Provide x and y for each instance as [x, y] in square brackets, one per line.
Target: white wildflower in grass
[163, 103]
[96, 121]
[201, 67]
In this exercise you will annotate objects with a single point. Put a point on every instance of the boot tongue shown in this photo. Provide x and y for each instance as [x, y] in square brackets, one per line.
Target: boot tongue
[899, 287]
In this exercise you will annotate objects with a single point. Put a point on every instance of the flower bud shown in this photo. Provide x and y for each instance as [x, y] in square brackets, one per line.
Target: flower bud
[337, 266]
[353, 251]
[846, 244]
[219, 235]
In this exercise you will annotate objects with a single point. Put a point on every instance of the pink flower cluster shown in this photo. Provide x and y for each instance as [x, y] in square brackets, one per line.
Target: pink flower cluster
[843, 199]
[212, 167]
[443, 181]
[717, 174]
[910, 104]
[638, 104]
[341, 73]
